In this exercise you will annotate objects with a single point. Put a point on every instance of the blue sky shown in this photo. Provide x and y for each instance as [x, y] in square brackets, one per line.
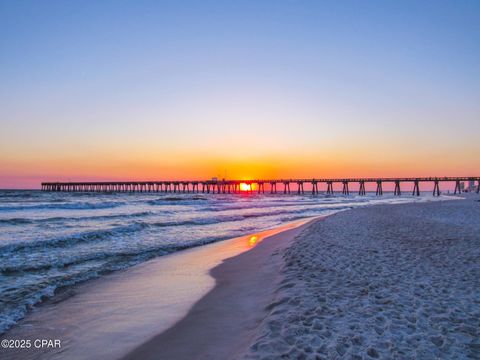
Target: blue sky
[83, 80]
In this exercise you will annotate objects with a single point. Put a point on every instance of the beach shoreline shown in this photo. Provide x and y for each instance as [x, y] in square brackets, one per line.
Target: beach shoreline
[280, 314]
[133, 304]
[222, 324]
[53, 241]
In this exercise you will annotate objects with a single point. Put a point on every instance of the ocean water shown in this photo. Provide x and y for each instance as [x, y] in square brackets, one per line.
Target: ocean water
[53, 240]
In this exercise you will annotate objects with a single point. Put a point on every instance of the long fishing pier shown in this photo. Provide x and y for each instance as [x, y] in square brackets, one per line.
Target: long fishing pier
[273, 186]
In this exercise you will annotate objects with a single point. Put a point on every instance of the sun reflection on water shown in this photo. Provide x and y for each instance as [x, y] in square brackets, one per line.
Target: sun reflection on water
[252, 240]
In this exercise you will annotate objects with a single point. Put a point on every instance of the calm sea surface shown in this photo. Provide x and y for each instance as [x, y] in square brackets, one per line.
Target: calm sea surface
[52, 240]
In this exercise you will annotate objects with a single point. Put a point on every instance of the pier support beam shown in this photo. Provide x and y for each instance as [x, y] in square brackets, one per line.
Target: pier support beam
[436, 188]
[345, 190]
[457, 187]
[299, 187]
[273, 188]
[261, 187]
[379, 188]
[329, 187]
[416, 188]
[361, 190]
[397, 190]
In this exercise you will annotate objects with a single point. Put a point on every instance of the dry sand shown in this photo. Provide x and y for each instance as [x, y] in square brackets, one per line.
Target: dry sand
[390, 282]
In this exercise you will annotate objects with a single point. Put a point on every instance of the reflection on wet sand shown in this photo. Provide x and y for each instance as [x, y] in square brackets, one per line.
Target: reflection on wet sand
[252, 241]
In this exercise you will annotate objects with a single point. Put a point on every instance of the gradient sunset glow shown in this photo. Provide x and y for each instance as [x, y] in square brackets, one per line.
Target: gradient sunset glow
[152, 90]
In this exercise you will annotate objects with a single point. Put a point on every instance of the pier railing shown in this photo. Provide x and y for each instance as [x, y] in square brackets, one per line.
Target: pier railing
[258, 185]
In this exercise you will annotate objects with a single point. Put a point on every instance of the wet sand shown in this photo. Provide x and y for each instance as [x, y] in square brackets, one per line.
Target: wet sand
[224, 322]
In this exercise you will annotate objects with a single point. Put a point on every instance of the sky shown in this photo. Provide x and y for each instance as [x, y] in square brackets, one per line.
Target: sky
[144, 90]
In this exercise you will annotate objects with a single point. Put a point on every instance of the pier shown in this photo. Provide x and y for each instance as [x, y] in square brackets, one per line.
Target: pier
[272, 186]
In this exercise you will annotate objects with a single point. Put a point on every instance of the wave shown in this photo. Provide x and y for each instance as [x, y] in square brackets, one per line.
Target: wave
[13, 311]
[18, 194]
[16, 221]
[97, 235]
[253, 205]
[65, 206]
[124, 256]
[21, 221]
[169, 199]
[59, 263]
[87, 236]
[226, 218]
[101, 235]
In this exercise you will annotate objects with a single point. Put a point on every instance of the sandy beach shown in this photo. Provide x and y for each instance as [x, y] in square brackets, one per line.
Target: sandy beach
[387, 281]
[380, 282]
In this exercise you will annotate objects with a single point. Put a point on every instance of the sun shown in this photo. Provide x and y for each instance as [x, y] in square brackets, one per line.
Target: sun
[245, 187]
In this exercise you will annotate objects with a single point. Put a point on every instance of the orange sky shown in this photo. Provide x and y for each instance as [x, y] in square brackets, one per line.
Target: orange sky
[31, 170]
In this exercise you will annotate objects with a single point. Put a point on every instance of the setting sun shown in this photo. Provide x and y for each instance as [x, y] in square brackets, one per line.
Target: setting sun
[245, 187]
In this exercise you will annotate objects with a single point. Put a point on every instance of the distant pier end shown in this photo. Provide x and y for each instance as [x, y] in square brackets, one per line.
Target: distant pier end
[283, 185]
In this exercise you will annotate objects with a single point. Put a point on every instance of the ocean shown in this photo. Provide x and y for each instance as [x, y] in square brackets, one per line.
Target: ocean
[52, 240]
